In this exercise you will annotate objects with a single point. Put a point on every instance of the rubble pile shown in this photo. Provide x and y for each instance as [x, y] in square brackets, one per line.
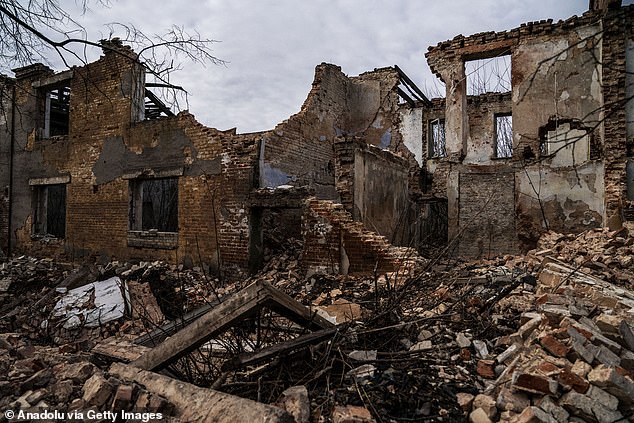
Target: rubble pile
[37, 378]
[545, 337]
[571, 359]
[606, 254]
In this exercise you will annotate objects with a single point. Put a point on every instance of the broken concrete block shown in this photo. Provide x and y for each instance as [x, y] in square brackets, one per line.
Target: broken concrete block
[608, 323]
[526, 316]
[508, 354]
[462, 340]
[596, 338]
[295, 401]
[527, 328]
[605, 356]
[627, 360]
[555, 313]
[487, 404]
[581, 368]
[62, 390]
[479, 416]
[122, 398]
[36, 396]
[613, 381]
[97, 390]
[581, 351]
[534, 383]
[142, 401]
[425, 334]
[77, 372]
[534, 414]
[557, 412]
[586, 408]
[627, 333]
[509, 400]
[351, 414]
[481, 348]
[599, 395]
[465, 400]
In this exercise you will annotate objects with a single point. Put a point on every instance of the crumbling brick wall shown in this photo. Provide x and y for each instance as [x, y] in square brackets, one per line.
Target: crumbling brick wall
[4, 219]
[556, 77]
[617, 30]
[373, 185]
[109, 149]
[299, 151]
[335, 243]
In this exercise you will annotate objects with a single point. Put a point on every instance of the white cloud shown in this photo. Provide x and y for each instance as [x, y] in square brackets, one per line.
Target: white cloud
[272, 47]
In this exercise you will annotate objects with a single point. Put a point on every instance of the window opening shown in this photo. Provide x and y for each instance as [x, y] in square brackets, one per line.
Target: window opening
[154, 205]
[50, 210]
[56, 111]
[503, 136]
[437, 144]
[491, 75]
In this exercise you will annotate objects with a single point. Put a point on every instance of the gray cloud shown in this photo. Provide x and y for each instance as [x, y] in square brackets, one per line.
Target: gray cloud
[272, 47]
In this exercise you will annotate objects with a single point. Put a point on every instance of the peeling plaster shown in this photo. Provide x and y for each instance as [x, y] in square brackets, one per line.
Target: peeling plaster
[572, 199]
[116, 160]
[386, 139]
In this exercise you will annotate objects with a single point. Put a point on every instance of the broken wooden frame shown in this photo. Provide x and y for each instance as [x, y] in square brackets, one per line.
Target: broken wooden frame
[239, 306]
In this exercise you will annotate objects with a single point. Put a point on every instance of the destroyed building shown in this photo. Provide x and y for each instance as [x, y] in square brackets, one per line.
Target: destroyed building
[535, 131]
[541, 160]
[99, 167]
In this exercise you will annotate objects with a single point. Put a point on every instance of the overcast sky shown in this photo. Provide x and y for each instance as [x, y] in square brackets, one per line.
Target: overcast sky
[272, 47]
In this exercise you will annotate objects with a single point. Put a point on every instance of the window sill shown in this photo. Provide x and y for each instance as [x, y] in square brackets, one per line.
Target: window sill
[46, 239]
[53, 139]
[153, 239]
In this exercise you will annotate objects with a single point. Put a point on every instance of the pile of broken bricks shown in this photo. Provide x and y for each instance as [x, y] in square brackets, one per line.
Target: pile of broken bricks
[571, 360]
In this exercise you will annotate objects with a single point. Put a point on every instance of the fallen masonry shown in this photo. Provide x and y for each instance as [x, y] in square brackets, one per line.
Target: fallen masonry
[514, 339]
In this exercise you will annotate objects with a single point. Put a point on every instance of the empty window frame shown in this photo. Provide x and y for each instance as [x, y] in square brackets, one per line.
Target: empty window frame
[491, 75]
[154, 204]
[56, 110]
[503, 135]
[437, 144]
[50, 210]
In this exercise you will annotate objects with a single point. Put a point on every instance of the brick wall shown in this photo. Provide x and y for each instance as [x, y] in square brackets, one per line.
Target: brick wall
[373, 186]
[617, 29]
[107, 147]
[487, 213]
[335, 243]
[299, 151]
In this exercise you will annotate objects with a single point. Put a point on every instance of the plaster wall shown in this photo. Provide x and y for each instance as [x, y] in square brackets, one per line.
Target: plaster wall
[412, 131]
[561, 199]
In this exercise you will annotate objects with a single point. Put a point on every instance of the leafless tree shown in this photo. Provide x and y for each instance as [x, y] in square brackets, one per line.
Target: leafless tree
[44, 31]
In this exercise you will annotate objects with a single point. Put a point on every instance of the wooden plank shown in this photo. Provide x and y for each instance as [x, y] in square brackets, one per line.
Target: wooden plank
[241, 304]
[159, 334]
[238, 306]
[285, 347]
[194, 404]
[293, 310]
